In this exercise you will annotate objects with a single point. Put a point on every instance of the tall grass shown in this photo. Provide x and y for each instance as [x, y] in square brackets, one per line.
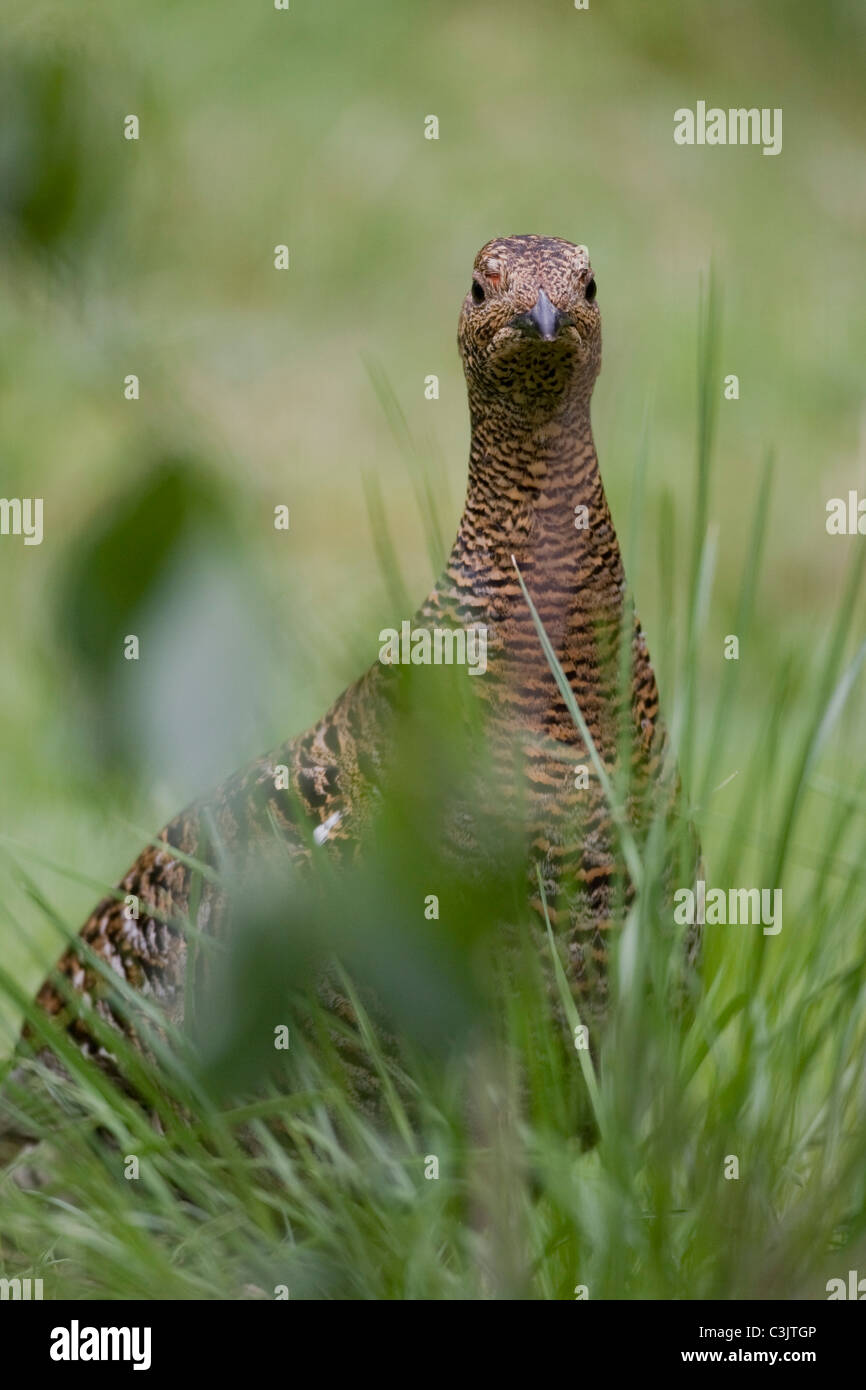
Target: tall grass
[559, 1168]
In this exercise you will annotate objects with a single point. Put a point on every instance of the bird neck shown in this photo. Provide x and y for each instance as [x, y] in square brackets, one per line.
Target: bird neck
[535, 493]
[535, 497]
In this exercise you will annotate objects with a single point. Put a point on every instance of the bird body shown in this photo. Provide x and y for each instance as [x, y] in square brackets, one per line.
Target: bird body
[530, 342]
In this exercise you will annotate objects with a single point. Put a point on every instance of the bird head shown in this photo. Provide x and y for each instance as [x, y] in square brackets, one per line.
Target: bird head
[530, 329]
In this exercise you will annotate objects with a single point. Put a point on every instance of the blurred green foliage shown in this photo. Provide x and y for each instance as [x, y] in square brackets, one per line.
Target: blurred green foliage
[116, 575]
[53, 193]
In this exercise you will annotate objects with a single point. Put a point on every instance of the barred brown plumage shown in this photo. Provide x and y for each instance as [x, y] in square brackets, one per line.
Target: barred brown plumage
[530, 340]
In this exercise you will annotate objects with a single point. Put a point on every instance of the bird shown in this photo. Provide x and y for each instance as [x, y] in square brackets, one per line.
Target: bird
[535, 522]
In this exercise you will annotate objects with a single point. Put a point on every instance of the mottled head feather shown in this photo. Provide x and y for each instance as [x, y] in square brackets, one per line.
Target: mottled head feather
[503, 352]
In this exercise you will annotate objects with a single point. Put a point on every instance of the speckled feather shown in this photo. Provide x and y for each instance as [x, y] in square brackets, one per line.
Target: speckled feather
[532, 462]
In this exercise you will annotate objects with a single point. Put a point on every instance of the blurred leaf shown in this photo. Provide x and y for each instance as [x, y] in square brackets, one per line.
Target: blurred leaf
[59, 171]
[147, 566]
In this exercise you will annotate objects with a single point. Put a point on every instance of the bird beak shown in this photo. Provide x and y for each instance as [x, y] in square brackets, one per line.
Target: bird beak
[543, 321]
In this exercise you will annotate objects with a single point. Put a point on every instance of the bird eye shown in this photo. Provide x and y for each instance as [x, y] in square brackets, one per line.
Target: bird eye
[590, 290]
[477, 292]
